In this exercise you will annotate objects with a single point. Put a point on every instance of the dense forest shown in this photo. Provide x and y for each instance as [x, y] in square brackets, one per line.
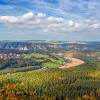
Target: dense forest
[49, 82]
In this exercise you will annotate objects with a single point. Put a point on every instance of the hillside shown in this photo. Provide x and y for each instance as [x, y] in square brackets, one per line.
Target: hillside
[50, 82]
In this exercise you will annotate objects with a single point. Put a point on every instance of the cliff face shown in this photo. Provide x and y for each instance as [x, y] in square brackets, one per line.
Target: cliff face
[28, 46]
[45, 46]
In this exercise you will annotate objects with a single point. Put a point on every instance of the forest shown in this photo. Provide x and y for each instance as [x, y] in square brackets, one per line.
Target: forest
[49, 82]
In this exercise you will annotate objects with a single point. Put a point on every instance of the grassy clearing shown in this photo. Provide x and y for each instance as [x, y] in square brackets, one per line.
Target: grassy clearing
[34, 55]
[50, 65]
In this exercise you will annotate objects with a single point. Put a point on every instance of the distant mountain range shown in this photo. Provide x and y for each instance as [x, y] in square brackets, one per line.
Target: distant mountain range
[49, 45]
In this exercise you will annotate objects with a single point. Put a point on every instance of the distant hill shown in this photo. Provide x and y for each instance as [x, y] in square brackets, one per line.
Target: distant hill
[48, 45]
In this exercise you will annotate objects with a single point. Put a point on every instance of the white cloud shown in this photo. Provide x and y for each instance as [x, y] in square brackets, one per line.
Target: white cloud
[97, 25]
[8, 19]
[27, 16]
[54, 19]
[40, 15]
[47, 23]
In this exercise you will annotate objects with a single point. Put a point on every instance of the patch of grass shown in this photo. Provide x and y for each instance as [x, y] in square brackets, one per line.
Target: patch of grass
[50, 65]
[34, 55]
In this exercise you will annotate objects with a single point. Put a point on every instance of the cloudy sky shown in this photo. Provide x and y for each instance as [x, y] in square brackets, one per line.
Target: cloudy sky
[50, 20]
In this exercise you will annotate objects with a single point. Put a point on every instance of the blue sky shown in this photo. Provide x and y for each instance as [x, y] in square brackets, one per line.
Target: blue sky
[50, 20]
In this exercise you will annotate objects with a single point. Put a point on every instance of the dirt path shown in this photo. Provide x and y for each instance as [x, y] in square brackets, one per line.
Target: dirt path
[73, 62]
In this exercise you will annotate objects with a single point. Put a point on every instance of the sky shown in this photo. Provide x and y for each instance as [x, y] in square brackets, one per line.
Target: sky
[68, 20]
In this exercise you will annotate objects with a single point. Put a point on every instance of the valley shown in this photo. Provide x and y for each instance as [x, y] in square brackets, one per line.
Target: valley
[49, 49]
[58, 74]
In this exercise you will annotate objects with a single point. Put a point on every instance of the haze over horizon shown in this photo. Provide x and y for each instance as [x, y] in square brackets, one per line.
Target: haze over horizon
[74, 20]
